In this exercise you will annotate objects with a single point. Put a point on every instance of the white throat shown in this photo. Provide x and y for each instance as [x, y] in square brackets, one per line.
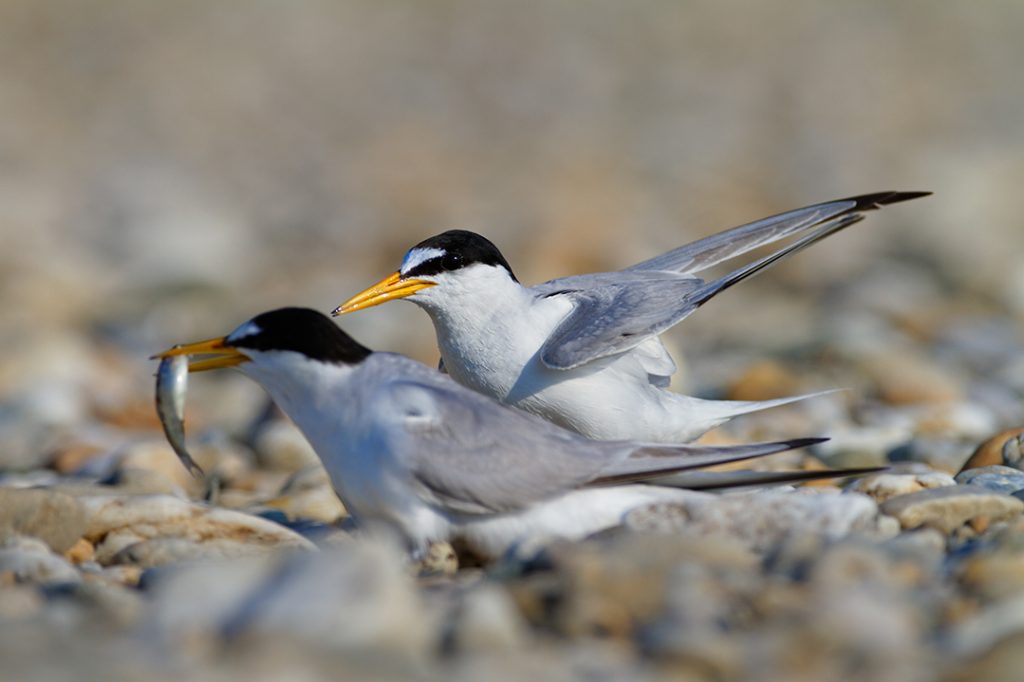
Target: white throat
[488, 325]
[306, 390]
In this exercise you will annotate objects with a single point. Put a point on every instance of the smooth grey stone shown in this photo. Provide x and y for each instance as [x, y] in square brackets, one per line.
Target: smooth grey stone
[57, 519]
[946, 509]
[997, 478]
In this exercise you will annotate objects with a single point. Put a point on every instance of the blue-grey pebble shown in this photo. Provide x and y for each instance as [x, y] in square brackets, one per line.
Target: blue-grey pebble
[997, 478]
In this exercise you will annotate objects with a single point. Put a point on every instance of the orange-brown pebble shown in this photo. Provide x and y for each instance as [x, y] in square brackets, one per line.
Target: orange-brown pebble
[903, 378]
[980, 523]
[128, 575]
[137, 414]
[81, 551]
[73, 456]
[991, 451]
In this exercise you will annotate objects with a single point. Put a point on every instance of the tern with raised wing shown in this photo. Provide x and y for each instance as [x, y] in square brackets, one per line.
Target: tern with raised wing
[583, 351]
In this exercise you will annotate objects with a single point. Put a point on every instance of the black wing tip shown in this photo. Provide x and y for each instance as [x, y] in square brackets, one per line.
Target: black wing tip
[796, 443]
[876, 200]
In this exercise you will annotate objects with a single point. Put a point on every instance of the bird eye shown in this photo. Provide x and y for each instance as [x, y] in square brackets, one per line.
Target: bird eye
[451, 261]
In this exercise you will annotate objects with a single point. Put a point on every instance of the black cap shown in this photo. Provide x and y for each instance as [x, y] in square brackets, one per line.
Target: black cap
[301, 330]
[456, 249]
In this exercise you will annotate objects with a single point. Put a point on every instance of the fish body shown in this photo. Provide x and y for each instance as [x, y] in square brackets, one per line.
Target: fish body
[171, 385]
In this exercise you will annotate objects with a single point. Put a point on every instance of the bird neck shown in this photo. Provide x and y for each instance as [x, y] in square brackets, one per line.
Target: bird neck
[308, 391]
[475, 302]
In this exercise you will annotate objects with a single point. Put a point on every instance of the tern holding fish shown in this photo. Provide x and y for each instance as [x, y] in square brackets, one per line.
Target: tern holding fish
[583, 351]
[406, 445]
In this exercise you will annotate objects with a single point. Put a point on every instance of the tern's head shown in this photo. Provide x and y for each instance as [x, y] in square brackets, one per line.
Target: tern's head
[285, 338]
[441, 266]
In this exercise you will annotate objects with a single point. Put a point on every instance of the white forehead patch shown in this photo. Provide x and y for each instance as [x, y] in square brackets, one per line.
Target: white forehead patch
[246, 330]
[417, 256]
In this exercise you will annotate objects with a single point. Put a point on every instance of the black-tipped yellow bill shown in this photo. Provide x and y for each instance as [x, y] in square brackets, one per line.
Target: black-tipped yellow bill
[390, 288]
[224, 355]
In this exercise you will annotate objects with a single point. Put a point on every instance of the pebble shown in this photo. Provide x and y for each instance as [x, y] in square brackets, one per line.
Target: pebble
[947, 509]
[280, 445]
[487, 619]
[905, 378]
[612, 583]
[997, 478]
[761, 520]
[110, 602]
[18, 602]
[53, 517]
[883, 486]
[982, 631]
[158, 457]
[440, 559]
[109, 545]
[862, 446]
[80, 552]
[993, 575]
[307, 494]
[960, 420]
[165, 550]
[30, 560]
[1005, 448]
[348, 598]
[32, 421]
[219, 456]
[135, 481]
[122, 575]
[938, 453]
[116, 522]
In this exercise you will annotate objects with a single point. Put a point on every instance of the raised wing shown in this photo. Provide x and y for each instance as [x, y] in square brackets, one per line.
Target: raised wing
[618, 311]
[709, 251]
[613, 312]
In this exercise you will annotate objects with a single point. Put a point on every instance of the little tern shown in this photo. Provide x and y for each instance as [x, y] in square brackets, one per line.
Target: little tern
[583, 351]
[405, 445]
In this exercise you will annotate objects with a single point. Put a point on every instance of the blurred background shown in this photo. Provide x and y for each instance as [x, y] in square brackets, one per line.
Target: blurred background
[168, 170]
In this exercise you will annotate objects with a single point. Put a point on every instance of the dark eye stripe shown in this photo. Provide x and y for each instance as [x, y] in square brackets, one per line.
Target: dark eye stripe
[458, 249]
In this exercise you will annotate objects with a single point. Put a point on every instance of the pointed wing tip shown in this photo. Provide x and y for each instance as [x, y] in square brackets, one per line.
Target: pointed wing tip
[796, 443]
[876, 200]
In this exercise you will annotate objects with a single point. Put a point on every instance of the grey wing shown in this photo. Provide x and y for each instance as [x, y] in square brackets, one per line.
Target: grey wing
[709, 251]
[616, 315]
[614, 312]
[469, 454]
[734, 480]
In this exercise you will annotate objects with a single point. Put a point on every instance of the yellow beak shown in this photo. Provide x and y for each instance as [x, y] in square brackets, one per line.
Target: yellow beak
[388, 289]
[225, 356]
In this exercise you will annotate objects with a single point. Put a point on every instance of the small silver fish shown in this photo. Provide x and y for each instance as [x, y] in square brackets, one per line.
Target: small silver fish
[171, 384]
